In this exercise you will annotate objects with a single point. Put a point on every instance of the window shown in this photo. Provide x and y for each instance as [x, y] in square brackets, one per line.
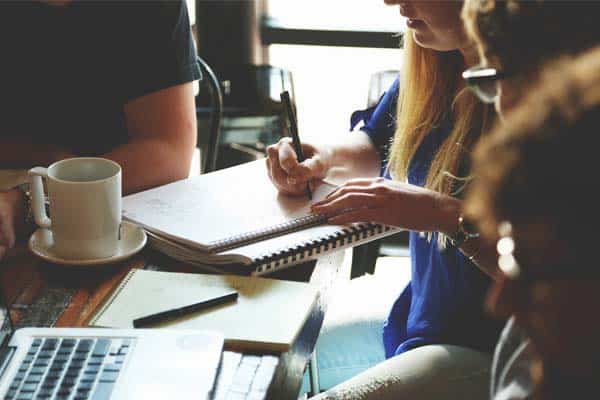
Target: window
[331, 82]
[337, 14]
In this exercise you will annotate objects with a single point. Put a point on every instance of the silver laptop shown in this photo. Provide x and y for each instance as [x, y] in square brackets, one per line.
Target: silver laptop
[96, 363]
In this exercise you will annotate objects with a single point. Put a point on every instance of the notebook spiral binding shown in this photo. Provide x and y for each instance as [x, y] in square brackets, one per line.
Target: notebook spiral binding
[284, 257]
[267, 233]
[308, 250]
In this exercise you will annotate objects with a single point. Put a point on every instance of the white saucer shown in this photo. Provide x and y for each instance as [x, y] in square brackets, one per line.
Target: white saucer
[133, 239]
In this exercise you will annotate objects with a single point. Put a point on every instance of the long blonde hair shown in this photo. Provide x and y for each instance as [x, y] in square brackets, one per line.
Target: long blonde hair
[430, 90]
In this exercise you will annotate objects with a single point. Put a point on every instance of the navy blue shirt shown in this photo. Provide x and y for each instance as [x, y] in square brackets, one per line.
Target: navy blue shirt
[67, 71]
[443, 303]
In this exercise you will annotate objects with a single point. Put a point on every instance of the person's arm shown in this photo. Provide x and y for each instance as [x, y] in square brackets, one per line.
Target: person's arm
[344, 157]
[161, 124]
[406, 206]
[161, 138]
[359, 154]
[12, 218]
[354, 156]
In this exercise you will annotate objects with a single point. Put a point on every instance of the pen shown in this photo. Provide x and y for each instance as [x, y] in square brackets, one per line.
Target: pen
[291, 116]
[182, 311]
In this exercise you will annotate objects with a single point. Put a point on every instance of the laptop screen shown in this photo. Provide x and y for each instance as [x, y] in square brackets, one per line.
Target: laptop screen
[5, 322]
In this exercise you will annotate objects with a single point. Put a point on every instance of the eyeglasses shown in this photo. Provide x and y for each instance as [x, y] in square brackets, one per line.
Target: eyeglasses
[482, 81]
[576, 269]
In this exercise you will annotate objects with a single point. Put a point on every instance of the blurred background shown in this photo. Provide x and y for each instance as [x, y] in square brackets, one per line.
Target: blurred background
[332, 55]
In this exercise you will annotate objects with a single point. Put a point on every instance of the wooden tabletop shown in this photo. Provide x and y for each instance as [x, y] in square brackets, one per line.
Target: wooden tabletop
[44, 294]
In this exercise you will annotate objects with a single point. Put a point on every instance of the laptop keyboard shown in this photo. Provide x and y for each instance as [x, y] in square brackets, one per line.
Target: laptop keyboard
[244, 377]
[70, 369]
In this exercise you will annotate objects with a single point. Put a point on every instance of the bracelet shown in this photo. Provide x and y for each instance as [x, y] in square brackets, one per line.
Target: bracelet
[471, 258]
[24, 187]
[465, 231]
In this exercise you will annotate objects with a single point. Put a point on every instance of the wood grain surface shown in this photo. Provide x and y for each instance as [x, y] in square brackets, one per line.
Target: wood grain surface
[44, 294]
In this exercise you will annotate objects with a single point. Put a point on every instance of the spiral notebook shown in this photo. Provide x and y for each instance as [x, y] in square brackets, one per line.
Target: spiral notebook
[268, 314]
[234, 220]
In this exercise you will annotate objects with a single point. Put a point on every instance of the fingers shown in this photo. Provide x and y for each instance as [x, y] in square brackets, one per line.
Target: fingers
[276, 172]
[355, 208]
[286, 173]
[282, 154]
[7, 232]
[343, 191]
[288, 159]
[2, 252]
[297, 172]
[10, 204]
[363, 181]
[354, 216]
[346, 202]
[358, 200]
[7, 229]
[278, 175]
[355, 187]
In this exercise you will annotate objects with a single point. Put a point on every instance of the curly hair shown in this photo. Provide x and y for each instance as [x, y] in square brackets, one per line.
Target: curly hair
[517, 35]
[540, 164]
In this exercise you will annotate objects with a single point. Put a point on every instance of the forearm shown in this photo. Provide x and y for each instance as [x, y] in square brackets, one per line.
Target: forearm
[151, 162]
[24, 153]
[352, 156]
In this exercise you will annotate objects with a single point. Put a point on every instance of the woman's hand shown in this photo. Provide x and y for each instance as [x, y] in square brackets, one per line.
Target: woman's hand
[290, 176]
[12, 211]
[390, 202]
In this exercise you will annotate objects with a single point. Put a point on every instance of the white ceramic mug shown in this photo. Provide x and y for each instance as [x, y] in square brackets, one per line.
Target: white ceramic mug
[85, 206]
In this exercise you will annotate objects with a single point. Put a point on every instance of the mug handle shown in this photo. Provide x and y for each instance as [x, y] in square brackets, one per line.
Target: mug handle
[38, 206]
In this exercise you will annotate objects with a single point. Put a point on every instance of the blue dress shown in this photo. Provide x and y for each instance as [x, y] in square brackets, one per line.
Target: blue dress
[443, 303]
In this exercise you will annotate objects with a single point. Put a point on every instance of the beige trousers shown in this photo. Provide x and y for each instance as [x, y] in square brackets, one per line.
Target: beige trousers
[433, 372]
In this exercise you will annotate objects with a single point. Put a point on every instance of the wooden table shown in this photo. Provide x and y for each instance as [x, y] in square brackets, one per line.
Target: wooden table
[43, 294]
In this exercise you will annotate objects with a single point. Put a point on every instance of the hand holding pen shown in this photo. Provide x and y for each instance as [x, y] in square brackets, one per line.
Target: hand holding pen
[289, 175]
[293, 128]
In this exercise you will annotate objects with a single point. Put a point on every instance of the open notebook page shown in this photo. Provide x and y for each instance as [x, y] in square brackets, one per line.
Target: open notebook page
[206, 209]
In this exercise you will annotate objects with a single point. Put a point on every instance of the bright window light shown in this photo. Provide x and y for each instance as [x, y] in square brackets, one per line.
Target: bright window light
[341, 14]
[331, 82]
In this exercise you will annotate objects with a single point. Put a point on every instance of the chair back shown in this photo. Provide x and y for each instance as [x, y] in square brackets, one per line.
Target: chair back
[209, 158]
[250, 113]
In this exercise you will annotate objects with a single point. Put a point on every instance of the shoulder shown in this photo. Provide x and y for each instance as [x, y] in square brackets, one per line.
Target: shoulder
[138, 20]
[390, 96]
[380, 116]
[170, 13]
[159, 51]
